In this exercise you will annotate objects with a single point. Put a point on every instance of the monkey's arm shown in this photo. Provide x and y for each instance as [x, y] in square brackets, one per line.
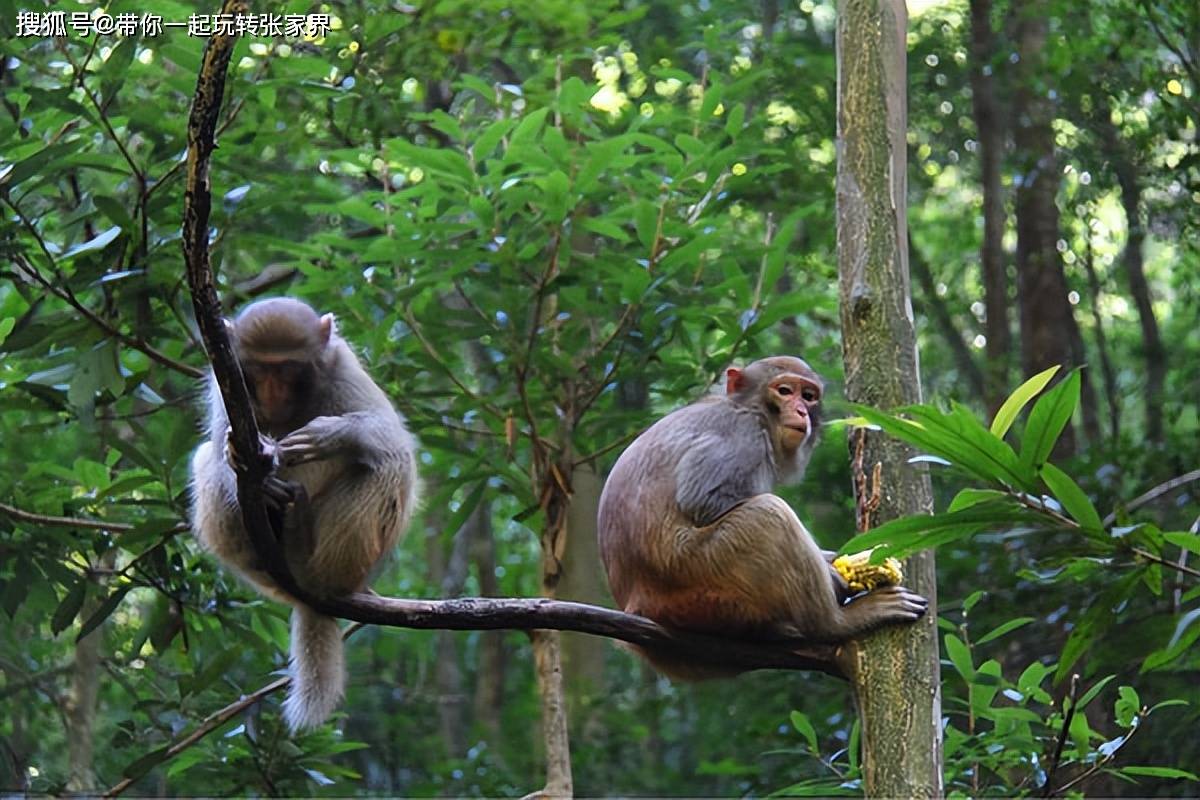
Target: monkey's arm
[715, 474]
[370, 436]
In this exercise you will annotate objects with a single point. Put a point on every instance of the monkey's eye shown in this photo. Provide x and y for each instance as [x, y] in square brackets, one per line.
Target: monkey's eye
[784, 391]
[810, 396]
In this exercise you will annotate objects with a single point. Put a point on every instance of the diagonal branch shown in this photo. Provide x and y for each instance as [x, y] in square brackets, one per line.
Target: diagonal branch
[197, 206]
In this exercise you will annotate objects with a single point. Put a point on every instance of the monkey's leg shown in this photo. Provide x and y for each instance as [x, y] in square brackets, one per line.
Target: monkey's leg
[776, 573]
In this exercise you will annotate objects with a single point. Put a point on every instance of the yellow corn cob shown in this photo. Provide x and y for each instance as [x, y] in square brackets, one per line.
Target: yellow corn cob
[862, 576]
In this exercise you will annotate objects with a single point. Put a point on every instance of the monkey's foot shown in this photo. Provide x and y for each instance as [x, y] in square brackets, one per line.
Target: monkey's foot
[887, 605]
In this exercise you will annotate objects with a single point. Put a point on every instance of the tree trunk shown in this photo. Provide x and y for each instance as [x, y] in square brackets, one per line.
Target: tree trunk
[583, 581]
[1111, 395]
[1134, 263]
[556, 481]
[452, 699]
[990, 128]
[894, 672]
[79, 707]
[547, 656]
[489, 686]
[1046, 317]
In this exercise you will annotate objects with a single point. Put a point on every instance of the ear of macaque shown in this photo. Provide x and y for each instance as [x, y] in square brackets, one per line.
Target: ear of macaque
[734, 380]
[327, 328]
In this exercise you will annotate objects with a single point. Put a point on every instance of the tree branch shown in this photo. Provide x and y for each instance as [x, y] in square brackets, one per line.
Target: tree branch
[197, 206]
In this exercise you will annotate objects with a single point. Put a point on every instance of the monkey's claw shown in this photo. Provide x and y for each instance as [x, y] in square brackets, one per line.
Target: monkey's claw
[279, 494]
[268, 451]
[315, 441]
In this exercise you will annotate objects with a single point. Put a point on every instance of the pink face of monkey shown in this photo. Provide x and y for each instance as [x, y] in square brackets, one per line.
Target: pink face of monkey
[787, 390]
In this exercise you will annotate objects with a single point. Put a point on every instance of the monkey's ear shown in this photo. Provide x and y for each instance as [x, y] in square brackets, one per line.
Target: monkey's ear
[734, 380]
[228, 325]
[327, 328]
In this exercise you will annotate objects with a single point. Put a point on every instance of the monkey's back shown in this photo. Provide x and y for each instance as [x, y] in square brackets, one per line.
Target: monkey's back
[641, 522]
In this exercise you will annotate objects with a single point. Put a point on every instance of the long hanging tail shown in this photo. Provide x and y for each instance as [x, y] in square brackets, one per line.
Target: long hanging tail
[318, 670]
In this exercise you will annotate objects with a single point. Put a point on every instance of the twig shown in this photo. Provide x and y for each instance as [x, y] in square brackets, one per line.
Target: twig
[26, 268]
[1183, 568]
[476, 400]
[1063, 733]
[1106, 759]
[1155, 493]
[211, 723]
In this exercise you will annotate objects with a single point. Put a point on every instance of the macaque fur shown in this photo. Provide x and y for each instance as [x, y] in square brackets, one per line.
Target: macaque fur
[344, 486]
[692, 537]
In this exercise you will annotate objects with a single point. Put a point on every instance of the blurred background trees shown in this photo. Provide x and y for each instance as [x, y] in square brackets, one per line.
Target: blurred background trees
[544, 225]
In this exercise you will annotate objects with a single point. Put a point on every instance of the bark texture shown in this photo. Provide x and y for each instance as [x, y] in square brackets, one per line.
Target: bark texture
[895, 672]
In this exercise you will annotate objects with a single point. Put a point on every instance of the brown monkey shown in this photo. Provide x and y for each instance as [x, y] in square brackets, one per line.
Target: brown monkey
[344, 486]
[692, 537]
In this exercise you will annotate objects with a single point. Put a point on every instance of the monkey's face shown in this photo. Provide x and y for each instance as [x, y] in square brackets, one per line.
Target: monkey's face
[277, 389]
[795, 400]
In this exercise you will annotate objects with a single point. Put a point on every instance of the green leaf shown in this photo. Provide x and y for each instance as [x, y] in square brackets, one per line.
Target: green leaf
[1184, 541]
[1161, 772]
[690, 145]
[805, 727]
[645, 220]
[1050, 415]
[909, 534]
[1127, 706]
[960, 656]
[1091, 693]
[1072, 498]
[957, 437]
[1016, 401]
[528, 127]
[64, 615]
[102, 613]
[733, 125]
[973, 598]
[969, 497]
[486, 143]
[1006, 627]
[97, 242]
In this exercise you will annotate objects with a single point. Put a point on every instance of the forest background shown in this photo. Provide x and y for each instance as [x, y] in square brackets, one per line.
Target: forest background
[543, 226]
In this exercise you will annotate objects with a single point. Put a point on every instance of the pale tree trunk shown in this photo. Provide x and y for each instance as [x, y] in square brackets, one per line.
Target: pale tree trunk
[451, 574]
[989, 124]
[895, 672]
[493, 662]
[79, 706]
[547, 645]
[583, 581]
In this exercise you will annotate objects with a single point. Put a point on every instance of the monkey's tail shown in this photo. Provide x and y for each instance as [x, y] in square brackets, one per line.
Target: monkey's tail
[318, 670]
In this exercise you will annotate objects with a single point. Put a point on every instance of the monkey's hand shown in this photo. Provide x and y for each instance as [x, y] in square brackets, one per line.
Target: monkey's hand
[268, 450]
[287, 502]
[321, 438]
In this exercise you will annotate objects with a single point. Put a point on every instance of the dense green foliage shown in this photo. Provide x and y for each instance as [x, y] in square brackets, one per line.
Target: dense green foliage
[543, 226]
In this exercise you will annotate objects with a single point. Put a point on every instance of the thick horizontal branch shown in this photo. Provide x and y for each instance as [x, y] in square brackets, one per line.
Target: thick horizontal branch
[478, 613]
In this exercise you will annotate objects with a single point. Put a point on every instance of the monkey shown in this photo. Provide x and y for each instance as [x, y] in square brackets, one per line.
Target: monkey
[344, 483]
[692, 537]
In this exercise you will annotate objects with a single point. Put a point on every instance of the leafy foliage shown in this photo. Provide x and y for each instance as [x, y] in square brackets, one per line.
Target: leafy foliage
[542, 229]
